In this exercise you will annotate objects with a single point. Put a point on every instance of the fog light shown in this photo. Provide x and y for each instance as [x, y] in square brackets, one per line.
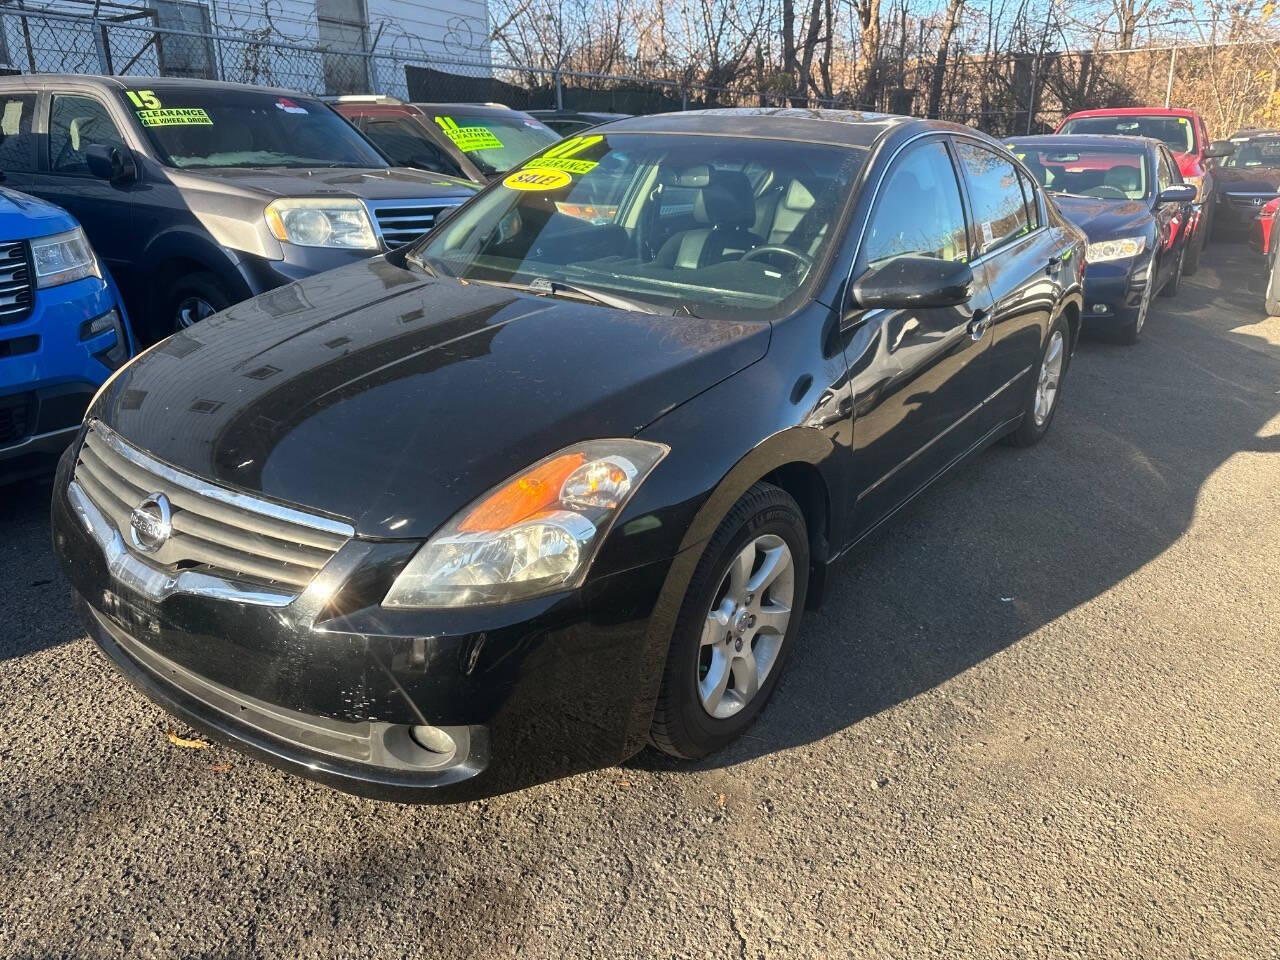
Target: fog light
[117, 350]
[100, 325]
[1100, 308]
[433, 739]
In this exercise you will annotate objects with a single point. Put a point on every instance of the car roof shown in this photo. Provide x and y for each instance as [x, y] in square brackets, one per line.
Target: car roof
[1084, 141]
[144, 83]
[493, 109]
[843, 127]
[1133, 112]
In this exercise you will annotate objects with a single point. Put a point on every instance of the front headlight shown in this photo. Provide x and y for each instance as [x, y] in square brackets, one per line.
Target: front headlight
[534, 534]
[62, 258]
[1198, 183]
[1115, 249]
[321, 222]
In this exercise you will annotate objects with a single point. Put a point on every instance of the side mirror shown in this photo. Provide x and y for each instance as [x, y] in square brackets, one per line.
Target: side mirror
[906, 282]
[1218, 149]
[1178, 193]
[110, 163]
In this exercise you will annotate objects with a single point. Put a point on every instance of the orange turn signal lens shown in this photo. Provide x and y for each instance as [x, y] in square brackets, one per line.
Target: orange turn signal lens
[522, 497]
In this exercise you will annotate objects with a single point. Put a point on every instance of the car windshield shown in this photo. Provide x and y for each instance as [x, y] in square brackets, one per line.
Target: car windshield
[1258, 152]
[192, 126]
[714, 226]
[1176, 132]
[1108, 173]
[494, 142]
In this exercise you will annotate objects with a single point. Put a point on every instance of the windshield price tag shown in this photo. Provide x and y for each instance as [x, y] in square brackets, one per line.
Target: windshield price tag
[468, 139]
[537, 178]
[143, 99]
[174, 117]
[561, 156]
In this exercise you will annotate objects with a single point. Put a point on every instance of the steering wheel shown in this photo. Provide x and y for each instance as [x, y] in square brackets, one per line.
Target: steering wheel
[1106, 192]
[760, 253]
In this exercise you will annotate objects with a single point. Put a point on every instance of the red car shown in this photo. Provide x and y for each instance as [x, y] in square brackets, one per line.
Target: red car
[1185, 133]
[1269, 235]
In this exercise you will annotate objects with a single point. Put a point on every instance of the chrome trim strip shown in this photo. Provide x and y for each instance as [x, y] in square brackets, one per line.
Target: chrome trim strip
[156, 584]
[241, 501]
[895, 470]
[1016, 377]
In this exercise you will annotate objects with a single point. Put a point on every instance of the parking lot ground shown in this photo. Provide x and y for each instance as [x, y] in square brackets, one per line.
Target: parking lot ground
[1039, 716]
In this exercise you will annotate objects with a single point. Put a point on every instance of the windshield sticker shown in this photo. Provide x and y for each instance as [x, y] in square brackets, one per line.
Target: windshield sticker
[288, 106]
[537, 178]
[468, 139]
[561, 156]
[175, 117]
[143, 99]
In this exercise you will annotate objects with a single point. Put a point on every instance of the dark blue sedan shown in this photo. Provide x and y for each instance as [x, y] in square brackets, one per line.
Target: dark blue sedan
[1127, 195]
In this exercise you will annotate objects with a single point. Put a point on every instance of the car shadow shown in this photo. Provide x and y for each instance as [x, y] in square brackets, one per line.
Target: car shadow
[1017, 538]
[34, 613]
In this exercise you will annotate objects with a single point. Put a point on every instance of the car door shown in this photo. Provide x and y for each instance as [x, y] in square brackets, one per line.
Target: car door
[1019, 261]
[72, 122]
[916, 373]
[1170, 217]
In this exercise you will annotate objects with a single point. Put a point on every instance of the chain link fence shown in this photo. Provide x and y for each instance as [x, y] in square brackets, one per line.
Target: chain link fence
[1231, 85]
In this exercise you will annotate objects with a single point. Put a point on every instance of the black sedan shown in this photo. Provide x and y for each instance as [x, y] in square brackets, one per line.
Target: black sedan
[1127, 195]
[558, 482]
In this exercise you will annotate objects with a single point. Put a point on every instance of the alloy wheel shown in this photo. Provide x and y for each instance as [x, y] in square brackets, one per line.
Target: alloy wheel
[1050, 377]
[191, 310]
[1145, 306]
[746, 626]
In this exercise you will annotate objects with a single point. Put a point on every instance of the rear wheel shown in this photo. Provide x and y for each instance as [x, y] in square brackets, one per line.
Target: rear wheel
[1273, 286]
[738, 622]
[1046, 387]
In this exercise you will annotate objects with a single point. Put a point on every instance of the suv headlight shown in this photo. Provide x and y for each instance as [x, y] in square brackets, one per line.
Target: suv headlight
[1196, 181]
[63, 257]
[322, 222]
[1115, 249]
[534, 534]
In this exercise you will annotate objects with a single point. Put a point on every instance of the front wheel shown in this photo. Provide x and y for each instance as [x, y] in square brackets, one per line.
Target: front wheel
[191, 299]
[736, 625]
[1170, 289]
[1195, 247]
[1273, 286]
[1046, 387]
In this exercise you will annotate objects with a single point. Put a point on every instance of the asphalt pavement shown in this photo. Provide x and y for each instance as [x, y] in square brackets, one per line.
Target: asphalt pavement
[1039, 716]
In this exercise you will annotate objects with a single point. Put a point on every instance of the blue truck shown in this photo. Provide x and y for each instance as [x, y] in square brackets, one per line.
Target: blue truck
[63, 332]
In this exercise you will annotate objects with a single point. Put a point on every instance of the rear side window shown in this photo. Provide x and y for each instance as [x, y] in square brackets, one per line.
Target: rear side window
[931, 222]
[995, 188]
[1033, 201]
[406, 145]
[75, 123]
[17, 142]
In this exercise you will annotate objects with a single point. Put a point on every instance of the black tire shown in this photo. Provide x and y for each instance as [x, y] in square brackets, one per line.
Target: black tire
[1028, 431]
[201, 286]
[1192, 262]
[1174, 283]
[1273, 285]
[682, 727]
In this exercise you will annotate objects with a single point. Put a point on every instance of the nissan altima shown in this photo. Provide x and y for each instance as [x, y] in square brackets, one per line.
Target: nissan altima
[561, 480]
[1128, 197]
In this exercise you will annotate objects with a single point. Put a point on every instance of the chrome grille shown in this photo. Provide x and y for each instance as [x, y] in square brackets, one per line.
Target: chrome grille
[403, 221]
[215, 531]
[1251, 200]
[15, 282]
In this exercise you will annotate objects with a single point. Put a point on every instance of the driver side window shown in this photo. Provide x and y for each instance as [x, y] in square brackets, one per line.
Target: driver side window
[918, 212]
[74, 124]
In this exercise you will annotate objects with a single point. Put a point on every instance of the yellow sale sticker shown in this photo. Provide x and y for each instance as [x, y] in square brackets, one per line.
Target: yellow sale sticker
[143, 99]
[537, 178]
[468, 139]
[174, 117]
[561, 156]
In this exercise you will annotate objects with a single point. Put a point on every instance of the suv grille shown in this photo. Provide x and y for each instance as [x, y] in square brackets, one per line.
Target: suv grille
[214, 530]
[403, 221]
[15, 282]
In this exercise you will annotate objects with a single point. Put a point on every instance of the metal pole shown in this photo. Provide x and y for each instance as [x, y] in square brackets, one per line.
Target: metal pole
[559, 92]
[1168, 87]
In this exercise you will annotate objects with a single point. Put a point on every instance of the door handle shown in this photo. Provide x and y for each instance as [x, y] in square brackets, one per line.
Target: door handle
[978, 325]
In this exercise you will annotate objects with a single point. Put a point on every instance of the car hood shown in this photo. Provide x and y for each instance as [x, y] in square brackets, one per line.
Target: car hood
[1104, 219]
[23, 217]
[393, 399]
[393, 183]
[1249, 179]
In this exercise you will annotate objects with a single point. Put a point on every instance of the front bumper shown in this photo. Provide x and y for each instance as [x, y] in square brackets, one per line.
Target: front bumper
[1238, 213]
[1113, 289]
[327, 687]
[48, 373]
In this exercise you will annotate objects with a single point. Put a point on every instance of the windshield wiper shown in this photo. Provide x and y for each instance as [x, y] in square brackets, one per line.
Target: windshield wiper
[546, 287]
